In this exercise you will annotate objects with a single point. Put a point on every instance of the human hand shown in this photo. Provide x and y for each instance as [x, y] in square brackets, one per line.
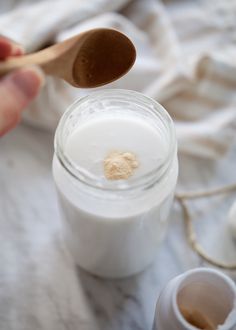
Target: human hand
[17, 89]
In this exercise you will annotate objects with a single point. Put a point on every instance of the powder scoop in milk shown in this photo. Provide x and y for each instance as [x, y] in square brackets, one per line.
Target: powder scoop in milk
[115, 146]
[120, 165]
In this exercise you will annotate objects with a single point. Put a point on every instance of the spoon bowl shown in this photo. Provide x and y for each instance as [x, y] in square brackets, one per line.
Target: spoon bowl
[90, 59]
[104, 56]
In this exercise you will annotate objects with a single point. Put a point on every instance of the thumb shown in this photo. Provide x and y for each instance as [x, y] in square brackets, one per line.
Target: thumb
[17, 90]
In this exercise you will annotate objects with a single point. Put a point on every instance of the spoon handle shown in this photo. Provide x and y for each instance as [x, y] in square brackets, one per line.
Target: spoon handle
[42, 58]
[15, 63]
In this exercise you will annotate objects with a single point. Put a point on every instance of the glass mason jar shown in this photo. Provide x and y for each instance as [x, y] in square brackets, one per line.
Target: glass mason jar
[113, 228]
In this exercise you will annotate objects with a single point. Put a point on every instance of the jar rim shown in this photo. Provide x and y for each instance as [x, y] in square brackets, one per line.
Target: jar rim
[148, 179]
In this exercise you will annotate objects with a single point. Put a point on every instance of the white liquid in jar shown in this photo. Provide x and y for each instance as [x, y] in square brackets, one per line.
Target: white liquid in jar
[116, 234]
[90, 144]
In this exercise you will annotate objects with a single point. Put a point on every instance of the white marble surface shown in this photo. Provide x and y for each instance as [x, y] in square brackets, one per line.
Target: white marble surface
[40, 288]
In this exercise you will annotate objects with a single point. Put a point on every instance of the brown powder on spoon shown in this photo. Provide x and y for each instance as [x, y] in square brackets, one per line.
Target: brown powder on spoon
[103, 57]
[120, 165]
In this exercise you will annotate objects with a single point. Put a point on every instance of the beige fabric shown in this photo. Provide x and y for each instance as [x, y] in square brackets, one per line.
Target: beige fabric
[186, 59]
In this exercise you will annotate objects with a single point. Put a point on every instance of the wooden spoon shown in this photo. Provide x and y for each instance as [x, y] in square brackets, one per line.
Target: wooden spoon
[90, 59]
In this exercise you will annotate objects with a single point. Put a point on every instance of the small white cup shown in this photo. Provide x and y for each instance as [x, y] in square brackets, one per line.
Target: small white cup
[209, 292]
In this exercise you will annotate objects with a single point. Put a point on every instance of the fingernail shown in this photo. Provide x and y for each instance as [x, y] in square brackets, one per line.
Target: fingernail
[17, 50]
[28, 80]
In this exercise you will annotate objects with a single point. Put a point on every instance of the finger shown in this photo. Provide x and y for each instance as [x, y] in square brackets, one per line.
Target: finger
[5, 48]
[9, 48]
[17, 90]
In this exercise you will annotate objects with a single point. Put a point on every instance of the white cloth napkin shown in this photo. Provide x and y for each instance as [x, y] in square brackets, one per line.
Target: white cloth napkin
[186, 59]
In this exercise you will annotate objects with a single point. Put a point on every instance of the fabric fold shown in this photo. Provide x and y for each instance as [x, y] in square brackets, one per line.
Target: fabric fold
[186, 60]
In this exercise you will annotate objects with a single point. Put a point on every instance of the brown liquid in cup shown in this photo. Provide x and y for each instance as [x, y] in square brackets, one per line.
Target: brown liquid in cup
[196, 318]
